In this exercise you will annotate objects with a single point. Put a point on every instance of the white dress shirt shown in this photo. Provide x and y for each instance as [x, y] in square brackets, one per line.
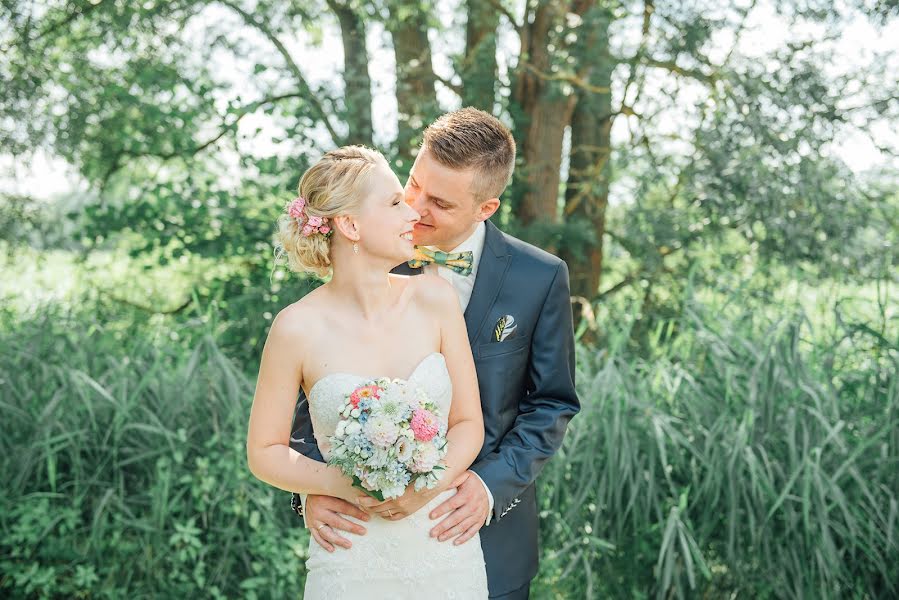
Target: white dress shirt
[464, 284]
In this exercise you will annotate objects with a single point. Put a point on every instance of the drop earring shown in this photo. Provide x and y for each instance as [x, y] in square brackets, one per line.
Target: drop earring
[355, 248]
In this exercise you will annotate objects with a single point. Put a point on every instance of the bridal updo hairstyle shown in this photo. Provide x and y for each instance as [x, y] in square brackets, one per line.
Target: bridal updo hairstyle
[335, 185]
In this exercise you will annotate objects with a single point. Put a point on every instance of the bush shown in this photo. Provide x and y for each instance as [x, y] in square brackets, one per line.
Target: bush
[743, 457]
[125, 473]
[736, 456]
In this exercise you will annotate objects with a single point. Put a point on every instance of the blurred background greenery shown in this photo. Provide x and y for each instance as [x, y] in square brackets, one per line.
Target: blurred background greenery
[720, 177]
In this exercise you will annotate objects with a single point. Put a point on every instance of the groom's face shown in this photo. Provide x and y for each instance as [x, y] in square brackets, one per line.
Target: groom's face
[442, 196]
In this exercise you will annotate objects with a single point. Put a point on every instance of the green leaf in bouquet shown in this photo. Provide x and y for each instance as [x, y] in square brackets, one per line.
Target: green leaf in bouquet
[357, 483]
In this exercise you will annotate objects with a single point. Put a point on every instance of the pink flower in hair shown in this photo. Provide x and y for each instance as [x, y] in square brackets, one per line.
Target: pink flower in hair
[311, 224]
[297, 208]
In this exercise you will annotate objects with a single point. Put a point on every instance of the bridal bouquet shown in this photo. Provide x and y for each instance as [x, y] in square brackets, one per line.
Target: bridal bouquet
[389, 435]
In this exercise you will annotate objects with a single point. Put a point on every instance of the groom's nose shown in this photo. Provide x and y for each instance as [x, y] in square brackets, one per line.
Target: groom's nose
[414, 200]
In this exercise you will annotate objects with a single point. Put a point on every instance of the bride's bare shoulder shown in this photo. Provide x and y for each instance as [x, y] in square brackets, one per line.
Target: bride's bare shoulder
[302, 316]
[433, 291]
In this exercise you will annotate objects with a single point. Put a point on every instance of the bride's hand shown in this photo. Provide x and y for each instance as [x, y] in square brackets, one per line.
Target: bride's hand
[408, 503]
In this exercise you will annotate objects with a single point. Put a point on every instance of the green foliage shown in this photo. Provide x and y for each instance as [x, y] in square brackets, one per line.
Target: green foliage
[125, 467]
[745, 456]
[741, 449]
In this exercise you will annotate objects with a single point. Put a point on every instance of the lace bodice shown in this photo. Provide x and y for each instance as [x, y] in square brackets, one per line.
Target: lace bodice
[329, 393]
[394, 559]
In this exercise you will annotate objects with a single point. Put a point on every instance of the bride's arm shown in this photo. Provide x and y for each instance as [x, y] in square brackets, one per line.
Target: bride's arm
[465, 434]
[269, 455]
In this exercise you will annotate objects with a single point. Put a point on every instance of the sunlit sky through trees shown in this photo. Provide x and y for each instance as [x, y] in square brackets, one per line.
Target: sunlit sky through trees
[42, 175]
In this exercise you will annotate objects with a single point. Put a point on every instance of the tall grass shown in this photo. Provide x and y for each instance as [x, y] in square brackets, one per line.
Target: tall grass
[737, 462]
[738, 457]
[124, 469]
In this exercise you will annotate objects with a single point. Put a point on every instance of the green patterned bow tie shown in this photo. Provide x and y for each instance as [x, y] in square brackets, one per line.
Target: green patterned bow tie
[459, 262]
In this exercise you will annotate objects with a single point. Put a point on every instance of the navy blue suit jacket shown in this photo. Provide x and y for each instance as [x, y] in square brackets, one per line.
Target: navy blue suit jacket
[527, 393]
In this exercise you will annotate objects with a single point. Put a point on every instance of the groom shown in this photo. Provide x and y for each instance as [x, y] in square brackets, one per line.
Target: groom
[518, 315]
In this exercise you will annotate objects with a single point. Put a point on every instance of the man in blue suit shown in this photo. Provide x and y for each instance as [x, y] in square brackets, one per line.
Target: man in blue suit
[516, 303]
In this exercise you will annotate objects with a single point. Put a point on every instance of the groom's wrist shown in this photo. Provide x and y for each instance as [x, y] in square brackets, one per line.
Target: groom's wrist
[490, 501]
[298, 505]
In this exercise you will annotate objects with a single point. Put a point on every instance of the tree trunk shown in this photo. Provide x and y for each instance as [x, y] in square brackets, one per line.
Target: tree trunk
[547, 103]
[416, 94]
[479, 69]
[355, 74]
[587, 192]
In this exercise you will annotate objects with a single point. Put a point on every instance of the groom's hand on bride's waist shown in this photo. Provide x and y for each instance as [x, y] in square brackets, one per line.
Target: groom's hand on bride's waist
[325, 519]
[466, 512]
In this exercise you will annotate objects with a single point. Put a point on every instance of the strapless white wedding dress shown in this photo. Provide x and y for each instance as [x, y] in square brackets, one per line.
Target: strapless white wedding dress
[394, 559]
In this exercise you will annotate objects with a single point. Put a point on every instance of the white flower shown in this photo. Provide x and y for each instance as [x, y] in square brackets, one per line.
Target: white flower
[424, 458]
[341, 428]
[352, 427]
[355, 413]
[379, 458]
[381, 431]
[393, 491]
[404, 449]
[392, 409]
[371, 479]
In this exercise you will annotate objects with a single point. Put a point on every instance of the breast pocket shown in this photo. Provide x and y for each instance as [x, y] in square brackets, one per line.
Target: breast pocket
[515, 344]
[502, 372]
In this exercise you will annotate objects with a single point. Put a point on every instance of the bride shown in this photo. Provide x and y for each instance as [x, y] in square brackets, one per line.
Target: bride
[351, 221]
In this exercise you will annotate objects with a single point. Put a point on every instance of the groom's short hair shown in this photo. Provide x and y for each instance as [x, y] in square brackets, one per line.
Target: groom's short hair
[469, 138]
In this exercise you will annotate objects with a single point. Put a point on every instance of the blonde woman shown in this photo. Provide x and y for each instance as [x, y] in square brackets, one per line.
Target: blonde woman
[351, 221]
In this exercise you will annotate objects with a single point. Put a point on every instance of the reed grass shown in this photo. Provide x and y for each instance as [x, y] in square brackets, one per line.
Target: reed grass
[737, 462]
[738, 456]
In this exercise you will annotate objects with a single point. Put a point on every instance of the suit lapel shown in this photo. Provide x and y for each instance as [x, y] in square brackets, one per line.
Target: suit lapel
[405, 269]
[492, 268]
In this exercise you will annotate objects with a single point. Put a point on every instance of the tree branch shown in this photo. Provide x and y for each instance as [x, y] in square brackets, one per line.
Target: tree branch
[79, 11]
[673, 67]
[149, 309]
[456, 88]
[252, 107]
[310, 96]
[498, 5]
[574, 80]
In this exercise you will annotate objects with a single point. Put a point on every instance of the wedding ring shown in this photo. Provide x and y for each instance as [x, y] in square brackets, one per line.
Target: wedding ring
[319, 528]
[389, 514]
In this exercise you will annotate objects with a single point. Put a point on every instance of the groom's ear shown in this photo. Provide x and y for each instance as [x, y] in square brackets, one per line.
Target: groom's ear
[487, 208]
[347, 226]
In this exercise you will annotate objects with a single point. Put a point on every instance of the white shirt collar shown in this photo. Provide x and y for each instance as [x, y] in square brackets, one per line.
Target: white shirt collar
[475, 242]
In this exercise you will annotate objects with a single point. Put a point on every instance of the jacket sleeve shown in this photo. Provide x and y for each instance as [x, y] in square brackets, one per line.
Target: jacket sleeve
[302, 439]
[544, 412]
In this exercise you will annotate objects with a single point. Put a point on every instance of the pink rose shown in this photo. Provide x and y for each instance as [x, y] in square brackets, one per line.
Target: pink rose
[296, 208]
[308, 230]
[315, 221]
[324, 229]
[424, 425]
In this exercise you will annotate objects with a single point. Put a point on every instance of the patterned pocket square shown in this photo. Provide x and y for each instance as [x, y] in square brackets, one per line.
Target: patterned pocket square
[504, 328]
